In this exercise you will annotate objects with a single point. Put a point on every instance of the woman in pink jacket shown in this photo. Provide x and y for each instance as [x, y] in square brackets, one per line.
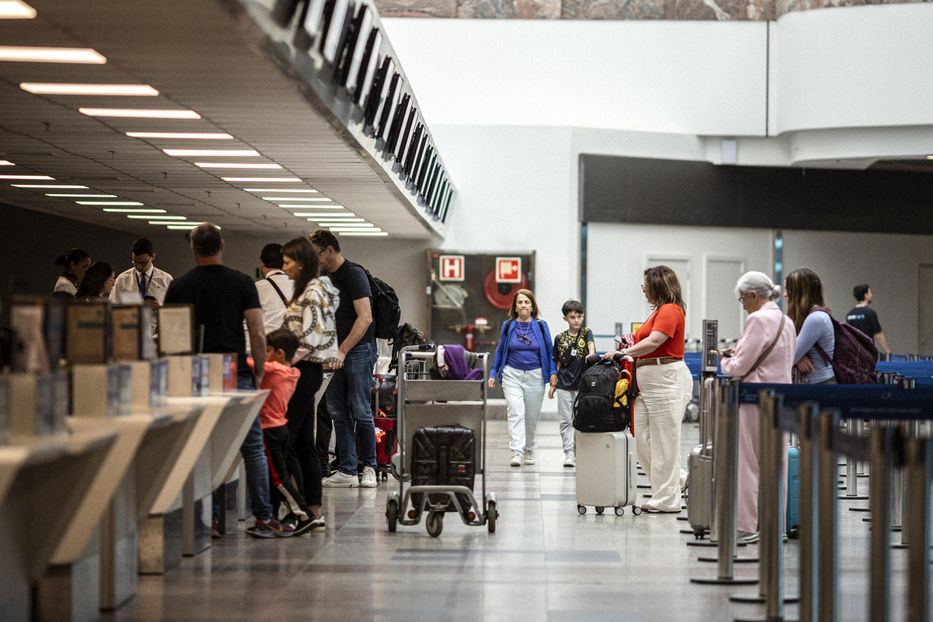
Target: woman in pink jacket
[751, 358]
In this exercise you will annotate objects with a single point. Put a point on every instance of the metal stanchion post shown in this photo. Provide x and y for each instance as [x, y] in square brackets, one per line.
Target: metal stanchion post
[855, 428]
[826, 517]
[919, 467]
[883, 464]
[724, 470]
[809, 561]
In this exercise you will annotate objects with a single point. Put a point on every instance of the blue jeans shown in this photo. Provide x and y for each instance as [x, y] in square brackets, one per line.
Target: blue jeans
[349, 403]
[254, 459]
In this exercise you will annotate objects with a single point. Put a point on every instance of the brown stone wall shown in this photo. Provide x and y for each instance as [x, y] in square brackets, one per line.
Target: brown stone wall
[745, 10]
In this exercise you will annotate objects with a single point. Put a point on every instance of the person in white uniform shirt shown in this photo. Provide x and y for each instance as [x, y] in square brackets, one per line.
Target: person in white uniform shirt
[74, 264]
[275, 288]
[143, 278]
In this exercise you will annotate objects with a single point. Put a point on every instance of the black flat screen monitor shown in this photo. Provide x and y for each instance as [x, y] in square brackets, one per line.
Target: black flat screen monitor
[401, 149]
[395, 127]
[349, 65]
[326, 20]
[283, 10]
[309, 24]
[450, 195]
[367, 69]
[388, 106]
[413, 150]
[339, 29]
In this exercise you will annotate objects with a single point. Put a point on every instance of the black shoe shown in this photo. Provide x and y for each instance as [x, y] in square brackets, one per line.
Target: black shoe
[303, 526]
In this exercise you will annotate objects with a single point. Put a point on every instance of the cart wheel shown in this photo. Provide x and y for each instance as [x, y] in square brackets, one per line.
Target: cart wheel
[491, 515]
[636, 510]
[620, 511]
[435, 523]
[600, 509]
[392, 514]
[581, 509]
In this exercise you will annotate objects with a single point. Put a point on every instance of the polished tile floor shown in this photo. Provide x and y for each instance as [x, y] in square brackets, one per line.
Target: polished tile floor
[546, 562]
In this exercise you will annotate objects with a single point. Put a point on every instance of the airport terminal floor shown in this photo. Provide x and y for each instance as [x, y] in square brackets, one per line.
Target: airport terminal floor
[545, 562]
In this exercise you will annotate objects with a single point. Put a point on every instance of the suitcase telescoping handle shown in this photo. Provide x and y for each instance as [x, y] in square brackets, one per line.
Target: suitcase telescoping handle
[593, 359]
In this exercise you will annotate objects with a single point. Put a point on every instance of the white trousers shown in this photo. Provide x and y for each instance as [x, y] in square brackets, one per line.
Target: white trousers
[663, 394]
[565, 411]
[524, 392]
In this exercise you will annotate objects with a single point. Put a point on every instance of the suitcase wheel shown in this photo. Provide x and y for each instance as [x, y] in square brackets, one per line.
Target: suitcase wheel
[600, 509]
[636, 510]
[620, 511]
[435, 523]
[581, 509]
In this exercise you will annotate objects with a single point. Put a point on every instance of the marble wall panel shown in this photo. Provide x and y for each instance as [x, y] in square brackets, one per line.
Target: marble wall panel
[537, 9]
[485, 9]
[417, 8]
[612, 9]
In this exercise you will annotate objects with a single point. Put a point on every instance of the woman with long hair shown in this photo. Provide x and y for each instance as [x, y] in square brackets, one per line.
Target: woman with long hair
[764, 353]
[74, 264]
[816, 340]
[523, 365]
[665, 388]
[310, 316]
[97, 282]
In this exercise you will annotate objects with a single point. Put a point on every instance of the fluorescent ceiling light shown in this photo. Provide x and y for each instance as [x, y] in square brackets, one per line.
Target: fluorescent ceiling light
[26, 54]
[148, 216]
[336, 221]
[311, 205]
[52, 186]
[133, 210]
[342, 227]
[140, 113]
[86, 196]
[212, 153]
[182, 135]
[310, 215]
[309, 199]
[180, 227]
[8, 163]
[108, 202]
[279, 190]
[170, 221]
[255, 165]
[360, 234]
[53, 88]
[264, 180]
[28, 177]
[14, 9]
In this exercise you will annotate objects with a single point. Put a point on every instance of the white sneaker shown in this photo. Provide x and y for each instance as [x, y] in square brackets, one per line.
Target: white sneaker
[369, 478]
[341, 480]
[569, 459]
[516, 459]
[529, 456]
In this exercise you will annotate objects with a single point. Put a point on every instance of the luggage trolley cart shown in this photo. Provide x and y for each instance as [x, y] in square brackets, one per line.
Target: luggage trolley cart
[426, 403]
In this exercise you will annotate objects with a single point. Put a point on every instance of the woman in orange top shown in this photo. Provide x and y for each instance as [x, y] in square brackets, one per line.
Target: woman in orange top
[665, 387]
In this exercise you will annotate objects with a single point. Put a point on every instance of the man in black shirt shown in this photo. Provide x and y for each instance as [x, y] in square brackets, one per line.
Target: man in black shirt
[864, 318]
[222, 299]
[348, 394]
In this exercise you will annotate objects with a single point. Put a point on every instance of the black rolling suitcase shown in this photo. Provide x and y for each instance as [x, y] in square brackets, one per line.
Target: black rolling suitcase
[443, 455]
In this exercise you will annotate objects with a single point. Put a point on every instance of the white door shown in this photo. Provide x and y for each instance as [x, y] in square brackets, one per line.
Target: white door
[925, 311]
[720, 301]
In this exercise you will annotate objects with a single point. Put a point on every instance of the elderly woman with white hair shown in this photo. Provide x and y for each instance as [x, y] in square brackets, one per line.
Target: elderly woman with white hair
[764, 353]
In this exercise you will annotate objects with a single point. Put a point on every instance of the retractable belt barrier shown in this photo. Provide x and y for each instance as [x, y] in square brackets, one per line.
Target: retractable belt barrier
[895, 443]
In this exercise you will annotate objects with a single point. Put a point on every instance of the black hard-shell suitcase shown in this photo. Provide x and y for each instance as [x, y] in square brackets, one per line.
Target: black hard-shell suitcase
[443, 455]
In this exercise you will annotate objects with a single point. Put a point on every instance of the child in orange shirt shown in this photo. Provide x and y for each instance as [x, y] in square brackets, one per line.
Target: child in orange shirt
[280, 378]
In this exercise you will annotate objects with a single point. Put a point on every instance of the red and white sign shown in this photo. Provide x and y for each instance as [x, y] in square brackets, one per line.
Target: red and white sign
[508, 269]
[451, 267]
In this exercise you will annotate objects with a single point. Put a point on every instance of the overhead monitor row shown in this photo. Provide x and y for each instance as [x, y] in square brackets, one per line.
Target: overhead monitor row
[346, 34]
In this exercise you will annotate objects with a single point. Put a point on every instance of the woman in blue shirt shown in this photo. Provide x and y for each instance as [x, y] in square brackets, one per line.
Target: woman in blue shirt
[808, 310]
[524, 366]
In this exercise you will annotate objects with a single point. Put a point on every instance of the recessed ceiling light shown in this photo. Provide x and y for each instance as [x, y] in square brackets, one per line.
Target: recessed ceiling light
[264, 180]
[352, 227]
[14, 9]
[256, 165]
[8, 163]
[330, 220]
[108, 203]
[184, 227]
[170, 221]
[280, 190]
[371, 234]
[352, 230]
[29, 177]
[26, 54]
[52, 88]
[51, 186]
[311, 205]
[140, 113]
[315, 216]
[182, 135]
[309, 199]
[133, 210]
[212, 153]
[147, 216]
[85, 196]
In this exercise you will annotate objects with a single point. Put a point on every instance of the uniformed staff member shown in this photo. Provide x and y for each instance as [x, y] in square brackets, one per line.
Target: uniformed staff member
[143, 278]
[74, 263]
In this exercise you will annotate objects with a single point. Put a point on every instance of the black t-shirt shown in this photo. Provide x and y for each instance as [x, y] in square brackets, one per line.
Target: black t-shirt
[865, 319]
[220, 295]
[350, 280]
[570, 352]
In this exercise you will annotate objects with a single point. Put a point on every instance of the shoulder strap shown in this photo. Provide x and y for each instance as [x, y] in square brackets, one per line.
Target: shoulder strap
[278, 291]
[765, 354]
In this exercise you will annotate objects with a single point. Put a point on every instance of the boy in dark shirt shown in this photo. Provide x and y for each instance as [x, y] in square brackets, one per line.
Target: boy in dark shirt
[571, 348]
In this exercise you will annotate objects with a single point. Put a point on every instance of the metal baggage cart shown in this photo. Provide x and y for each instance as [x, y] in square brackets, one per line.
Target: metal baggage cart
[423, 402]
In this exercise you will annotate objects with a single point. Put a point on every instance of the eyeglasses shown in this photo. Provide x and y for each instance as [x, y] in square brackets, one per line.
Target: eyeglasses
[524, 339]
[141, 263]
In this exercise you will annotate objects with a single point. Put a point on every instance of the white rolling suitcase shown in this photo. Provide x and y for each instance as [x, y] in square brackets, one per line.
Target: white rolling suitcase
[606, 471]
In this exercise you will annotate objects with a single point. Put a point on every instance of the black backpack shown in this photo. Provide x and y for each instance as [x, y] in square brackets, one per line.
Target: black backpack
[597, 407]
[386, 312]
